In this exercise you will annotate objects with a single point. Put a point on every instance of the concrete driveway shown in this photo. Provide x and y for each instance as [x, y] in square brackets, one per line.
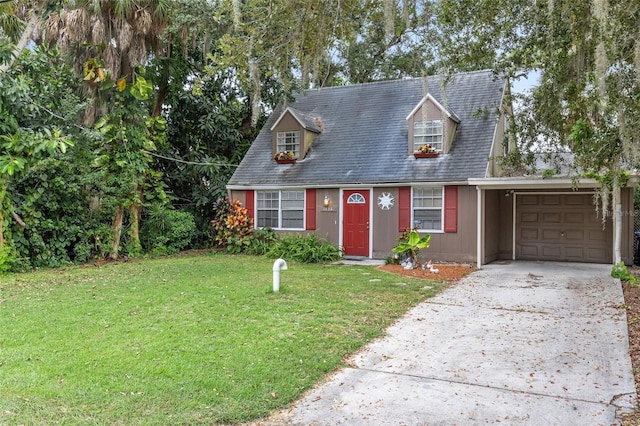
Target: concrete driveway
[515, 343]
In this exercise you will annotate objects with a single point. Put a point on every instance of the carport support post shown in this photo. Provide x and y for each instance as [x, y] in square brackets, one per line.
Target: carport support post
[617, 226]
[480, 221]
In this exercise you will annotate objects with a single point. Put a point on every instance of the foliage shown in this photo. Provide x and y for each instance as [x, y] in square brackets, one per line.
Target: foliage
[60, 225]
[232, 226]
[261, 241]
[587, 57]
[29, 131]
[166, 231]
[306, 249]
[620, 271]
[209, 133]
[129, 135]
[7, 259]
[390, 45]
[412, 246]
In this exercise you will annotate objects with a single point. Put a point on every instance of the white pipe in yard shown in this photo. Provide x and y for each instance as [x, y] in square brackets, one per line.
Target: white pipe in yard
[278, 265]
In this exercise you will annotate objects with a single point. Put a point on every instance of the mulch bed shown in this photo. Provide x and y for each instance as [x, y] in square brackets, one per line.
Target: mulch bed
[447, 272]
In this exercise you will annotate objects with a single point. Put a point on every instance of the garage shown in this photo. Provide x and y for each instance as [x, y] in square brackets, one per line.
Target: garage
[561, 227]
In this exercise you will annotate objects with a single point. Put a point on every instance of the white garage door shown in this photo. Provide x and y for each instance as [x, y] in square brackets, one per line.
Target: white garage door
[561, 227]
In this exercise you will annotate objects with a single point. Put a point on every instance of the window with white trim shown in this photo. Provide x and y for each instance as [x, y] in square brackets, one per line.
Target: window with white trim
[280, 209]
[427, 133]
[427, 208]
[288, 142]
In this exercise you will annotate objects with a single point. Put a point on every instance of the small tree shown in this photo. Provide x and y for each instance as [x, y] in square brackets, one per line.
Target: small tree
[413, 246]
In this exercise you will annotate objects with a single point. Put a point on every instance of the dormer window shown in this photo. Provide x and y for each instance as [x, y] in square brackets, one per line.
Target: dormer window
[289, 142]
[427, 133]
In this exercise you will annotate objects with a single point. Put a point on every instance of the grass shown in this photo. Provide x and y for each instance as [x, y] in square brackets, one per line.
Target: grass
[184, 340]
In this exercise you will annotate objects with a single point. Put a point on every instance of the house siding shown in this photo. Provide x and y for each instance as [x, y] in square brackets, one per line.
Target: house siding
[386, 222]
[494, 227]
[461, 245]
[497, 147]
[327, 218]
[450, 246]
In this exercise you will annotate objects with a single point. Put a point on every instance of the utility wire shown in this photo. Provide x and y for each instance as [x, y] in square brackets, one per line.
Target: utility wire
[177, 160]
[217, 163]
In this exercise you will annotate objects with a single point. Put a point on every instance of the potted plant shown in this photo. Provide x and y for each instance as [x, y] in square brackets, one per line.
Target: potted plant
[284, 157]
[426, 151]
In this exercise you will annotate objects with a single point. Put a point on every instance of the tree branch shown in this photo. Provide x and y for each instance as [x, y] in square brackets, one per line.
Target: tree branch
[18, 219]
[25, 38]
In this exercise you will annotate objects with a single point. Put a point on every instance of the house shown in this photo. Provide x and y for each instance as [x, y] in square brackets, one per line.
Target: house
[359, 164]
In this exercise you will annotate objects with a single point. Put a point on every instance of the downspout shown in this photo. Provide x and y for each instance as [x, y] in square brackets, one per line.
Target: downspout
[278, 265]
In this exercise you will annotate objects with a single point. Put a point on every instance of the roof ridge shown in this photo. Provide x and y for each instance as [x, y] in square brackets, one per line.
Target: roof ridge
[396, 80]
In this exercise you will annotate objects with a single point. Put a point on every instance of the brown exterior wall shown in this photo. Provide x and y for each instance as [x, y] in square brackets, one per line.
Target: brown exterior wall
[327, 218]
[458, 246]
[238, 195]
[493, 226]
[505, 215]
[497, 148]
[386, 224]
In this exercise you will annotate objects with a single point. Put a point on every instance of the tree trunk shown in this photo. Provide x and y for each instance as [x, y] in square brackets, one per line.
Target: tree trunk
[1, 231]
[117, 232]
[162, 94]
[134, 217]
[25, 38]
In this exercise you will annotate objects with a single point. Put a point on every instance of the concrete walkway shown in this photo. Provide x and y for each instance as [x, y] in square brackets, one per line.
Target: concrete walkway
[515, 343]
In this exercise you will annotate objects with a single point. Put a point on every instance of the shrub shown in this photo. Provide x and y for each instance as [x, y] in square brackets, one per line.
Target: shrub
[166, 231]
[309, 249]
[232, 226]
[620, 271]
[261, 241]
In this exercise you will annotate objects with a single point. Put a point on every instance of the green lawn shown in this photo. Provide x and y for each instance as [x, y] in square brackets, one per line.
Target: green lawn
[184, 340]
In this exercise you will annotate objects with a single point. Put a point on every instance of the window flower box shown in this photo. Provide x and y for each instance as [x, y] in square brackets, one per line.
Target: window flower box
[426, 151]
[284, 157]
[426, 154]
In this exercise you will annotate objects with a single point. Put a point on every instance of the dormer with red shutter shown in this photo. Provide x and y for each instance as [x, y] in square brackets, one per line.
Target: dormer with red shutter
[431, 127]
[292, 135]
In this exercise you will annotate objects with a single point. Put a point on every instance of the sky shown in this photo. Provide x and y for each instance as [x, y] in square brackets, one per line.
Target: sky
[526, 83]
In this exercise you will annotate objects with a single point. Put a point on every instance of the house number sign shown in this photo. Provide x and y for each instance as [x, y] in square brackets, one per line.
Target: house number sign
[385, 201]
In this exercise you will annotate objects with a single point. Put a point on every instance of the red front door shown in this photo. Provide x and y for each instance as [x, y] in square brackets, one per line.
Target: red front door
[355, 223]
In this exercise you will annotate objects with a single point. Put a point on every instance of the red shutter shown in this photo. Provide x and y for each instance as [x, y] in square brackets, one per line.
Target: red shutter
[404, 208]
[311, 209]
[249, 204]
[450, 209]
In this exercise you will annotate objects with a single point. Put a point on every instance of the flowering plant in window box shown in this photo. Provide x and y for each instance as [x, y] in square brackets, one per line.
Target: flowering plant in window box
[284, 157]
[426, 151]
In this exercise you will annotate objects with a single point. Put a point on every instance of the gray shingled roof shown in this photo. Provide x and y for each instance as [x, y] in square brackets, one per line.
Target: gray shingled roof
[365, 131]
